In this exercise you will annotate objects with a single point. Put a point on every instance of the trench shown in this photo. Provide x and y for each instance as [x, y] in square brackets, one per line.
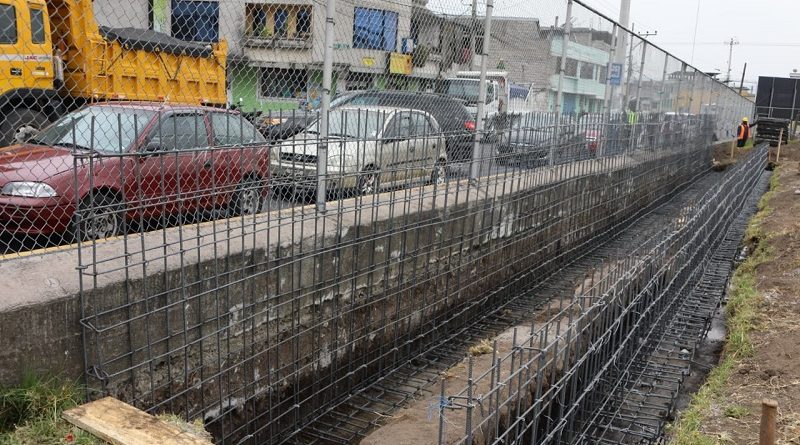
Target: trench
[644, 424]
[368, 408]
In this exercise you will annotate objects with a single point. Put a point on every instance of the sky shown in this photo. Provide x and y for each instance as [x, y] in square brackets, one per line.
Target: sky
[768, 31]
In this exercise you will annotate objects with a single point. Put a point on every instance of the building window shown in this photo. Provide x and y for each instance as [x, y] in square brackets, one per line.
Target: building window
[37, 26]
[587, 71]
[8, 24]
[603, 77]
[304, 22]
[571, 69]
[196, 21]
[271, 21]
[283, 83]
[374, 29]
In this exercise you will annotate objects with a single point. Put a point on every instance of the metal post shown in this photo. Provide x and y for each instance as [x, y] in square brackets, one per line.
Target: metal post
[626, 97]
[475, 166]
[663, 84]
[561, 69]
[611, 54]
[327, 80]
[641, 75]
[472, 36]
[563, 66]
[741, 84]
[680, 81]
[624, 21]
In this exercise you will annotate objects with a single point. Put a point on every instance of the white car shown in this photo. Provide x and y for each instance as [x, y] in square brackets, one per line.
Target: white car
[369, 148]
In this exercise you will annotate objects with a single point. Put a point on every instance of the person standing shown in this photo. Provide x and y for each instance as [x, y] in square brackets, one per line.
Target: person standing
[743, 133]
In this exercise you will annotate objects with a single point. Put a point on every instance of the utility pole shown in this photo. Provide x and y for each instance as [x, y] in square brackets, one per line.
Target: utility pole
[741, 84]
[622, 40]
[644, 35]
[324, 114]
[472, 35]
[731, 43]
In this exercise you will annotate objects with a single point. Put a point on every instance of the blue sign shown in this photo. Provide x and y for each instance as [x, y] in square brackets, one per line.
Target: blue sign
[615, 74]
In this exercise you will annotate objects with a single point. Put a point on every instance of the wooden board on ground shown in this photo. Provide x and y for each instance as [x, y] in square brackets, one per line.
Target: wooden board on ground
[121, 424]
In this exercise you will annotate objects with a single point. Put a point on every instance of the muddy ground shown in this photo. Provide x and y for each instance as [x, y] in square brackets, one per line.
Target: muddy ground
[773, 370]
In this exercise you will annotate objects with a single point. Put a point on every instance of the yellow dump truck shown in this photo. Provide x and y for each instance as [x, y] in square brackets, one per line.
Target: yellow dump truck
[54, 57]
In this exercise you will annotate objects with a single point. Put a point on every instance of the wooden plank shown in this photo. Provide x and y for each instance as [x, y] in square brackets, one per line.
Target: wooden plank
[121, 424]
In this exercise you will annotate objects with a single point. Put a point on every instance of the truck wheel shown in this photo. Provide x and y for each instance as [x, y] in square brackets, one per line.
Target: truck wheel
[19, 125]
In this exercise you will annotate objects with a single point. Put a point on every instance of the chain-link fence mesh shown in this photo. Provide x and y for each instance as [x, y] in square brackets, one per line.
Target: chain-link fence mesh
[177, 146]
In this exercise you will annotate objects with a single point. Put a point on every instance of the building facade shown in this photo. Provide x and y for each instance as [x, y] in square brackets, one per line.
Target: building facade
[276, 48]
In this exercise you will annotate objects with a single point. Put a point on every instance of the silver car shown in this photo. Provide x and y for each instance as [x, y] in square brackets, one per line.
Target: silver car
[369, 148]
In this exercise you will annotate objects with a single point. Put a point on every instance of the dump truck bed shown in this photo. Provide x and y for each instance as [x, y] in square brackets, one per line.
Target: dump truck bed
[133, 64]
[129, 64]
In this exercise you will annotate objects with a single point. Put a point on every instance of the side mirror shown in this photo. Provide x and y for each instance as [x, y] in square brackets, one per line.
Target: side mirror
[153, 146]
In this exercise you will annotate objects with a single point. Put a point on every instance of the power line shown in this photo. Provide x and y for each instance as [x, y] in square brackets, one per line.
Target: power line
[694, 39]
[783, 44]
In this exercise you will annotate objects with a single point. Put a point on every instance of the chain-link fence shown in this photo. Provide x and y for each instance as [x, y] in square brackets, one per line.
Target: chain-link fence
[178, 146]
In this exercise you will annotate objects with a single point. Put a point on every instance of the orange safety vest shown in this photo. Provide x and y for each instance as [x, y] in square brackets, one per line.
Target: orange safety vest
[744, 132]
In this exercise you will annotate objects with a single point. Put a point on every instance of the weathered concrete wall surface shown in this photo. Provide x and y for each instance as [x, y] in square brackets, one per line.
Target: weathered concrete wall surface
[291, 303]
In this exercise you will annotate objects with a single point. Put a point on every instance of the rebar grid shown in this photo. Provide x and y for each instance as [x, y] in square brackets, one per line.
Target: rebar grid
[573, 364]
[403, 328]
[644, 402]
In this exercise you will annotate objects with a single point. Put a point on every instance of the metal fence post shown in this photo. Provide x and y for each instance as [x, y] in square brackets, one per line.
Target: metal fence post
[327, 80]
[641, 75]
[663, 94]
[629, 64]
[611, 54]
[561, 69]
[680, 84]
[475, 165]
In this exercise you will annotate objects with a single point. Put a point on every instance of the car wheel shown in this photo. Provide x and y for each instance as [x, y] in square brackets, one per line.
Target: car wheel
[100, 216]
[368, 182]
[247, 198]
[19, 125]
[439, 173]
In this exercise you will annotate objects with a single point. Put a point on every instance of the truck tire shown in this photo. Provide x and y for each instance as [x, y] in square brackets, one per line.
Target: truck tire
[20, 119]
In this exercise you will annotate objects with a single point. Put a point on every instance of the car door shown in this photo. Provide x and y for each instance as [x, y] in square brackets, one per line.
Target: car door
[392, 150]
[222, 167]
[238, 150]
[424, 144]
[169, 167]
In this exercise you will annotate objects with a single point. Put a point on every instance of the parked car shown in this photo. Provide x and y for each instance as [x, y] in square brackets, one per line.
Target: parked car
[455, 122]
[591, 127]
[117, 162]
[280, 125]
[530, 146]
[369, 148]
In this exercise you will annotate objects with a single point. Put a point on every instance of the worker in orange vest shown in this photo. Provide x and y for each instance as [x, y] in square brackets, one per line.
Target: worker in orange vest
[743, 132]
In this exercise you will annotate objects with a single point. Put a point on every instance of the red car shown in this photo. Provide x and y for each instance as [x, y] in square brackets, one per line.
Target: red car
[120, 162]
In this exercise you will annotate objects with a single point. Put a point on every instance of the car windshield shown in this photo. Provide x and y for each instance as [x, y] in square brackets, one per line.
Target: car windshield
[105, 129]
[466, 89]
[352, 123]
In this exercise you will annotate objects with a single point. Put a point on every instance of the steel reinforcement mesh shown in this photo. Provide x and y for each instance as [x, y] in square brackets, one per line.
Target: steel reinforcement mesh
[607, 365]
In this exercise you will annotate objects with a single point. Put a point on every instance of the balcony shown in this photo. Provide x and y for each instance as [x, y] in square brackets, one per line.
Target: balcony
[281, 26]
[259, 41]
